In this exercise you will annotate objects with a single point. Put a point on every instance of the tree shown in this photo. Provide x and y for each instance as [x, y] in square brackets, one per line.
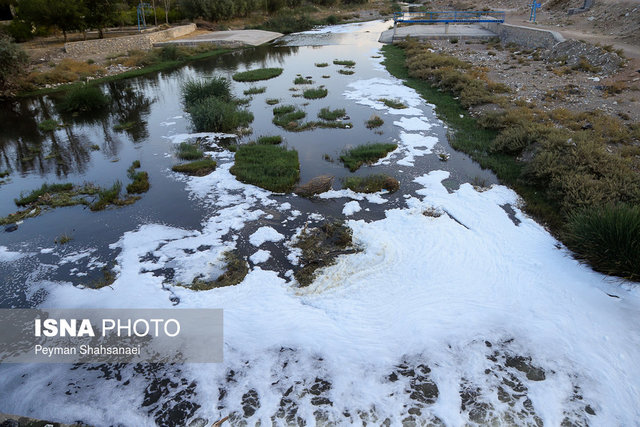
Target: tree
[99, 14]
[13, 61]
[67, 15]
[167, 6]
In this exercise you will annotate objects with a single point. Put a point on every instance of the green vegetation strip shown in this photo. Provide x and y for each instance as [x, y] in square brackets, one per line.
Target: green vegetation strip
[374, 122]
[188, 151]
[346, 63]
[257, 74]
[268, 166]
[365, 154]
[236, 269]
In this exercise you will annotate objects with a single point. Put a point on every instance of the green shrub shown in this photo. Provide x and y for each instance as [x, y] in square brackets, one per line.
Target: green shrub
[195, 91]
[268, 166]
[188, 151]
[13, 61]
[200, 167]
[257, 74]
[287, 23]
[217, 115]
[608, 237]
[331, 115]
[364, 154]
[371, 183]
[315, 93]
[83, 98]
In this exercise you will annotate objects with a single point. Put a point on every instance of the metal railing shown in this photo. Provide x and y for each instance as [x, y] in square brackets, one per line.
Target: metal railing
[454, 16]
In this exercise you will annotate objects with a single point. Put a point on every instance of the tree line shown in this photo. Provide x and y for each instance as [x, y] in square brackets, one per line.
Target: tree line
[36, 17]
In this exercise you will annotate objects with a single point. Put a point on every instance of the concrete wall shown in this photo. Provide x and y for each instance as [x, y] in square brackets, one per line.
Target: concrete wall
[124, 44]
[524, 36]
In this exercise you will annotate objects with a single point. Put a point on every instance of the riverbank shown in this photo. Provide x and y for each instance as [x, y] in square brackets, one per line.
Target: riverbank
[565, 164]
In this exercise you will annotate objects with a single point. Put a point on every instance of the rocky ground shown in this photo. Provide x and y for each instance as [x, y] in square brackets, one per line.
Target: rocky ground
[554, 78]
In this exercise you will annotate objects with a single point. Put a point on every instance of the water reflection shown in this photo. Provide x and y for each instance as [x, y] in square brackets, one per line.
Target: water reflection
[24, 148]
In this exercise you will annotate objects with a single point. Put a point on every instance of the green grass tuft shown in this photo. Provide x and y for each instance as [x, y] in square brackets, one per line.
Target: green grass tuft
[393, 103]
[365, 154]
[331, 115]
[374, 122]
[321, 64]
[48, 125]
[217, 115]
[107, 196]
[302, 81]
[195, 91]
[84, 98]
[608, 237]
[255, 90]
[346, 72]
[371, 183]
[269, 140]
[200, 167]
[272, 101]
[42, 191]
[346, 63]
[315, 93]
[257, 74]
[186, 151]
[268, 166]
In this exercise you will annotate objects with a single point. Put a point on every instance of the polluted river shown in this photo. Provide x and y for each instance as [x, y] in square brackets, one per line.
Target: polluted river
[450, 306]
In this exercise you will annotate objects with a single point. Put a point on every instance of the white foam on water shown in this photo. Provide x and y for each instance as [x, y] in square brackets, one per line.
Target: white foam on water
[265, 234]
[351, 207]
[9, 256]
[370, 92]
[260, 256]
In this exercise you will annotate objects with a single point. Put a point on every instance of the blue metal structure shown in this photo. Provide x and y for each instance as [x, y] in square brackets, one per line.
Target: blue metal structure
[534, 7]
[142, 10]
[450, 17]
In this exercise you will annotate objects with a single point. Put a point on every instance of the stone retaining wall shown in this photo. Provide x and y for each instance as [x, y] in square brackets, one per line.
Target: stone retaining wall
[127, 43]
[524, 36]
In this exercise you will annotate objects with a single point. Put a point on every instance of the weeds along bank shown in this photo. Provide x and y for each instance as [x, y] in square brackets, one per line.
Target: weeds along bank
[578, 172]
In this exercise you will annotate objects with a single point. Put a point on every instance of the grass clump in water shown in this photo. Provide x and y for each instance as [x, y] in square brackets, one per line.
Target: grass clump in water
[257, 74]
[321, 64]
[200, 167]
[288, 117]
[365, 154]
[107, 196]
[48, 125]
[217, 115]
[269, 140]
[188, 151]
[315, 93]
[345, 63]
[267, 166]
[236, 269]
[139, 180]
[374, 122]
[371, 183]
[45, 190]
[272, 101]
[332, 115]
[255, 90]
[320, 247]
[84, 98]
[608, 237]
[302, 81]
[393, 103]
[195, 91]
[346, 72]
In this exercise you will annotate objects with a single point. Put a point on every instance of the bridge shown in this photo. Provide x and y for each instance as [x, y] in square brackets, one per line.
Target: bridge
[467, 25]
